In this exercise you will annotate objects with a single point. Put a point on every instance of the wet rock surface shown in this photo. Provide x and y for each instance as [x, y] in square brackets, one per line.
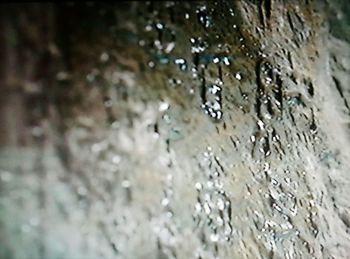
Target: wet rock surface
[175, 130]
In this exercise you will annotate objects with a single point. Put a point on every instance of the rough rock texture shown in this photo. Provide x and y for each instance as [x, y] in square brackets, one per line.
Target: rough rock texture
[175, 130]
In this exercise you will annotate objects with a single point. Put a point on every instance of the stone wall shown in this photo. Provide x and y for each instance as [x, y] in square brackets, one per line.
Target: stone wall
[175, 130]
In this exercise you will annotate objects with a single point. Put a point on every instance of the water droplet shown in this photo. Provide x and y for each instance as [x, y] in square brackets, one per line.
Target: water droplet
[214, 238]
[252, 138]
[203, 18]
[160, 26]
[182, 63]
[226, 61]
[261, 124]
[198, 207]
[216, 60]
[163, 106]
[207, 208]
[221, 204]
[151, 64]
[198, 46]
[238, 76]
[142, 43]
[116, 159]
[148, 27]
[212, 102]
[126, 184]
[198, 186]
[219, 220]
[104, 57]
[210, 184]
[163, 59]
[232, 13]
[165, 202]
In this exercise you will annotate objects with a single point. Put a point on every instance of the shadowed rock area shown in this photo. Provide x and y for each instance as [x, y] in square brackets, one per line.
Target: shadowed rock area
[175, 130]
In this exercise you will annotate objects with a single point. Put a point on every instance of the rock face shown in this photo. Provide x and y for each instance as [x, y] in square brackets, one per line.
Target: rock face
[175, 130]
